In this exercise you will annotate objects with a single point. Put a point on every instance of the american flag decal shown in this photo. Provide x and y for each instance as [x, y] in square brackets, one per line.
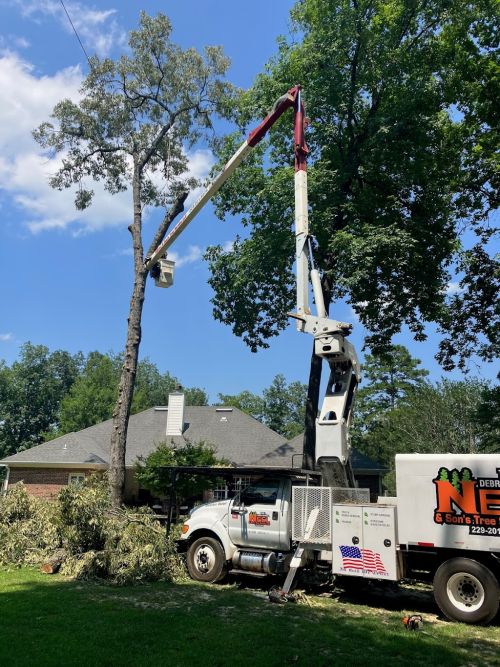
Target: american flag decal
[354, 558]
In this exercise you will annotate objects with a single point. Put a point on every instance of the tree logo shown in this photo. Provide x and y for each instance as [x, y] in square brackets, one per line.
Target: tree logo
[463, 500]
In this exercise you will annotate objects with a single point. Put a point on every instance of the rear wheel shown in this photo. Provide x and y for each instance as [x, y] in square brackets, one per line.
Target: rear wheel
[206, 560]
[466, 591]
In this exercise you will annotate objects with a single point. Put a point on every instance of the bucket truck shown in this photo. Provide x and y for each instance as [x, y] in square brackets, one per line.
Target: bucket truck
[444, 524]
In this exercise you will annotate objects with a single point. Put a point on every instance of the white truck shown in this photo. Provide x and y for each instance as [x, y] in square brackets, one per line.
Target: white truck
[445, 521]
[443, 525]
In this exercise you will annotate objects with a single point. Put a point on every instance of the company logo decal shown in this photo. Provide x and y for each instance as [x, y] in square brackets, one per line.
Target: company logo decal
[462, 499]
[259, 519]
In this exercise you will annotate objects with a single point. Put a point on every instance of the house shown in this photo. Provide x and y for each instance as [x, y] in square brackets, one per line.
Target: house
[236, 436]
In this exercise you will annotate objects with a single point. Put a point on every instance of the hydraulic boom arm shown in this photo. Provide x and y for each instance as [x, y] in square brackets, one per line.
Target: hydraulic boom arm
[330, 342]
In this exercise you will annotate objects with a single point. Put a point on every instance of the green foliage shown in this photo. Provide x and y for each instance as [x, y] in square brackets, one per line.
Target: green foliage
[92, 396]
[83, 515]
[402, 135]
[151, 473]
[30, 394]
[285, 406]
[147, 106]
[281, 406]
[487, 417]
[388, 378]
[391, 376]
[46, 394]
[245, 401]
[125, 547]
[436, 418]
[138, 550]
[28, 528]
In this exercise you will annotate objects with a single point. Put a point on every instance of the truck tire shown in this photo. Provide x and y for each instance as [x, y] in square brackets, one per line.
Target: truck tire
[206, 560]
[466, 591]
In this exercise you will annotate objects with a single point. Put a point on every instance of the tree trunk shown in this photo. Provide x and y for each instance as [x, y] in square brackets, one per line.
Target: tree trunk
[121, 412]
[51, 566]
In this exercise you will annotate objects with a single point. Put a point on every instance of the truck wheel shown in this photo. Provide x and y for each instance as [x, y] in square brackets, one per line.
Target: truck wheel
[206, 560]
[466, 591]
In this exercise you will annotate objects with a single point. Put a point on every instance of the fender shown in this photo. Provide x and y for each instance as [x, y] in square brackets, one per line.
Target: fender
[199, 524]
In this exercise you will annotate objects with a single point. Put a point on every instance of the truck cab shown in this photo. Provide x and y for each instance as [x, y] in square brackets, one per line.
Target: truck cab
[249, 532]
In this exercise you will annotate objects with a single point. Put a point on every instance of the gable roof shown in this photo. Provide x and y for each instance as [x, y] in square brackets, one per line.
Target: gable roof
[236, 436]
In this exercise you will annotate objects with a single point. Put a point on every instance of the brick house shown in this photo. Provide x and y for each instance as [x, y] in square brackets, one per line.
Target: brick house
[236, 436]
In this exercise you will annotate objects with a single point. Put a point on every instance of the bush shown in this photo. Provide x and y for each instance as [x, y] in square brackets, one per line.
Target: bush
[28, 528]
[124, 547]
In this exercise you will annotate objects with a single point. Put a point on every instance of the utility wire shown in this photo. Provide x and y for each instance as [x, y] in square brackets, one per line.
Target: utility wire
[77, 35]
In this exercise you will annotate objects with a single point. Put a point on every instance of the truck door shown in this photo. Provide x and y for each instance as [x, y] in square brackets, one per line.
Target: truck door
[259, 514]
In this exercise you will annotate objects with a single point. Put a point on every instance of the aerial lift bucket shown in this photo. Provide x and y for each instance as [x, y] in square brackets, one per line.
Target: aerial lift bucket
[165, 276]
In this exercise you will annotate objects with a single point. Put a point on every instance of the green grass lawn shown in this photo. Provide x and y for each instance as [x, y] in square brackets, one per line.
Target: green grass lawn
[52, 620]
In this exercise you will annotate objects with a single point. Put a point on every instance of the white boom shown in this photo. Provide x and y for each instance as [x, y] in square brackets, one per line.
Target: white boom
[330, 342]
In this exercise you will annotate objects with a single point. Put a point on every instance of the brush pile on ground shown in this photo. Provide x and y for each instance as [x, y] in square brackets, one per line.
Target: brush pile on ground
[80, 529]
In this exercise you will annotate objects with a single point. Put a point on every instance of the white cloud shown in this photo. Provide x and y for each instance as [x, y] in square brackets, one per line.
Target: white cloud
[194, 254]
[28, 100]
[6, 337]
[97, 28]
[7, 42]
[453, 288]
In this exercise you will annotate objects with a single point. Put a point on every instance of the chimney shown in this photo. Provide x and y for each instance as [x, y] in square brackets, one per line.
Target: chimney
[175, 414]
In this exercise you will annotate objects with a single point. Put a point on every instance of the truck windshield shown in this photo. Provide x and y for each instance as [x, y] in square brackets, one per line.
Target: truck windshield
[264, 491]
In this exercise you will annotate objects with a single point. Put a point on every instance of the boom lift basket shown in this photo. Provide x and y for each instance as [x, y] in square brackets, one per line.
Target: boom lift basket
[166, 273]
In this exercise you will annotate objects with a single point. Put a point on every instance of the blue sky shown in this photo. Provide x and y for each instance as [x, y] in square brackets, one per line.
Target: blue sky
[65, 278]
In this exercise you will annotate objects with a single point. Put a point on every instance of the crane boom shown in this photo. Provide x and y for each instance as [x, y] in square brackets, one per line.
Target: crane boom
[330, 343]
[282, 104]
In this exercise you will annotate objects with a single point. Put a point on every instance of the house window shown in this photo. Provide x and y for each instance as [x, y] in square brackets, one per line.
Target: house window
[241, 483]
[76, 478]
[220, 491]
[223, 491]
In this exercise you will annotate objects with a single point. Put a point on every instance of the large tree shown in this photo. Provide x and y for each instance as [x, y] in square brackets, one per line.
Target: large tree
[389, 379]
[401, 162]
[390, 376]
[31, 391]
[130, 130]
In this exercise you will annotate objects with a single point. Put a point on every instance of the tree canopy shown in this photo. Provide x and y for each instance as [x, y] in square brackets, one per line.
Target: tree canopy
[31, 391]
[407, 414]
[402, 133]
[46, 394]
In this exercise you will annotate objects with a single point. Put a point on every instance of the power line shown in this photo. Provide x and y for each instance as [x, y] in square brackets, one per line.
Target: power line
[77, 35]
